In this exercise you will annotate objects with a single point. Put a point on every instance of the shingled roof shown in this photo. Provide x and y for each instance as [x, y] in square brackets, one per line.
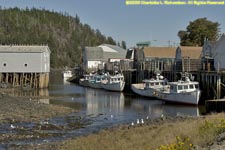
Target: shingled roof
[160, 52]
[191, 52]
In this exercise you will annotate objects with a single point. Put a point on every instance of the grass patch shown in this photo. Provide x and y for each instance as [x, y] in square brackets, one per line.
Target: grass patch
[178, 134]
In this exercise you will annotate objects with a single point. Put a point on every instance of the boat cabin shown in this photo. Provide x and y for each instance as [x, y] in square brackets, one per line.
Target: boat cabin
[182, 87]
[113, 79]
[99, 78]
[88, 77]
[67, 73]
[154, 83]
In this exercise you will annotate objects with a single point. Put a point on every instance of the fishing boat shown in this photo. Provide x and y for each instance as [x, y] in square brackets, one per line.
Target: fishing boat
[182, 91]
[67, 74]
[85, 80]
[113, 82]
[148, 87]
[95, 82]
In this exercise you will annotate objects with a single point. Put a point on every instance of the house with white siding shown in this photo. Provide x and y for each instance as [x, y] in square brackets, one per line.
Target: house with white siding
[25, 64]
[23, 59]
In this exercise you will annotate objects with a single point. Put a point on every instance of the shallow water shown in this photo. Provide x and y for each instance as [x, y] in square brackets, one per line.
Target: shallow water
[99, 109]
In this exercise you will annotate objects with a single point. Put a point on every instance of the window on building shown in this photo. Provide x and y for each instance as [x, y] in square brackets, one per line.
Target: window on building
[4, 64]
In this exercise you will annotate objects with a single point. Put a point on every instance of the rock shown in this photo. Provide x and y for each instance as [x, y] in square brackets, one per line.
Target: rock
[220, 137]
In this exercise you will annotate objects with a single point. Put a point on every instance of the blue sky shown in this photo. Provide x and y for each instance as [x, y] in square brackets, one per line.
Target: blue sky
[132, 24]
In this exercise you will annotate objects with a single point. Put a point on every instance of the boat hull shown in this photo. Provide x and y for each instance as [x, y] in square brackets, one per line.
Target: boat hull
[140, 90]
[119, 86]
[83, 82]
[186, 98]
[95, 85]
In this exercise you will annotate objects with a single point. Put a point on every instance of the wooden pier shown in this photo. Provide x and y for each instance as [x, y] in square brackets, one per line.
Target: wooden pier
[24, 80]
[215, 105]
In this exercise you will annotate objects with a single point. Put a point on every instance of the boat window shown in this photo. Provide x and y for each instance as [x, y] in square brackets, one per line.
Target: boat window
[180, 87]
[191, 86]
[196, 86]
[173, 88]
[152, 84]
[156, 83]
[185, 87]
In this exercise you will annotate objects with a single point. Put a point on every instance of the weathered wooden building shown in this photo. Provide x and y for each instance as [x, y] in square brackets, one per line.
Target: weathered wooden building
[213, 54]
[25, 66]
[188, 59]
[159, 58]
[95, 58]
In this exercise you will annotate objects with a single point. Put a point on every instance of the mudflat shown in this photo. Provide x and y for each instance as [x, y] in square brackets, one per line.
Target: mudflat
[26, 110]
[204, 132]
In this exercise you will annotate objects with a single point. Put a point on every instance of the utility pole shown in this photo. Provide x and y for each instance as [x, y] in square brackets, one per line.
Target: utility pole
[169, 43]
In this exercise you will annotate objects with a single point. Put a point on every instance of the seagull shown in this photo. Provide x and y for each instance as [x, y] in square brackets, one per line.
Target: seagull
[142, 121]
[132, 124]
[163, 117]
[147, 117]
[138, 121]
[45, 122]
[12, 126]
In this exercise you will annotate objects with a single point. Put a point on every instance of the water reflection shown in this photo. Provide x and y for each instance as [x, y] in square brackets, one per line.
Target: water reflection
[99, 101]
[65, 81]
[156, 108]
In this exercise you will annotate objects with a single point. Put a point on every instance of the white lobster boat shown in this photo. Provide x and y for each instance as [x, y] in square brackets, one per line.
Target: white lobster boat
[182, 91]
[148, 87]
[113, 82]
[67, 74]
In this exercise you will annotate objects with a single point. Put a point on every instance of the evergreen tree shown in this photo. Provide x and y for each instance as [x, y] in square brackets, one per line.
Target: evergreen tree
[65, 35]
